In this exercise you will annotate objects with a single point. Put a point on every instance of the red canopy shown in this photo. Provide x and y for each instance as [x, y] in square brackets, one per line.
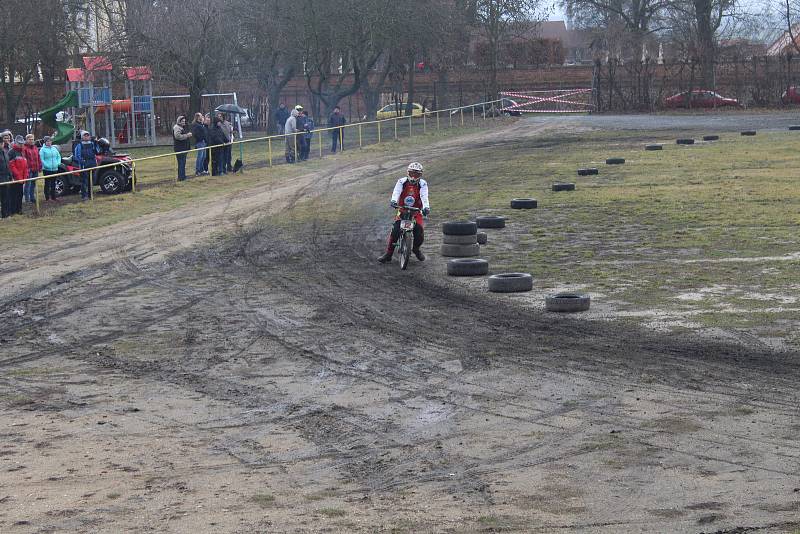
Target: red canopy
[97, 63]
[75, 75]
[139, 73]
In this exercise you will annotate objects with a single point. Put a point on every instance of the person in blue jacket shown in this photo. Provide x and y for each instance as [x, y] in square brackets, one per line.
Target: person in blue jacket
[85, 155]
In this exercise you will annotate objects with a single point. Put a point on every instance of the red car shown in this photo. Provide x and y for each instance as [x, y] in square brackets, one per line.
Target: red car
[791, 96]
[699, 99]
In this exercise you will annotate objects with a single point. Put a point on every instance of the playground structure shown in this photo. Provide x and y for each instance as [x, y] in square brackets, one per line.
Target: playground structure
[90, 104]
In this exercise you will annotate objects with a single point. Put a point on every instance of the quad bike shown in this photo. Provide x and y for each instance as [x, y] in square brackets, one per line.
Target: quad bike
[405, 243]
[112, 180]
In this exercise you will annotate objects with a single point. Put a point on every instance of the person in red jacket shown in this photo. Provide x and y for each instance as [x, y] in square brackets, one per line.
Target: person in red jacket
[411, 191]
[34, 167]
[18, 166]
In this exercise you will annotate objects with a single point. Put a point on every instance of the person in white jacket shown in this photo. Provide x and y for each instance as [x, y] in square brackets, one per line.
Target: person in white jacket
[409, 191]
[290, 130]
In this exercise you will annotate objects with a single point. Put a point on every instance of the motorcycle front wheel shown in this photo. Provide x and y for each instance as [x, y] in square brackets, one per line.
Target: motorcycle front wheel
[405, 249]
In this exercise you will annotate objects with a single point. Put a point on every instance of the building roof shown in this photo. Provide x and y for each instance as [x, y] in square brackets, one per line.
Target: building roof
[75, 75]
[93, 63]
[139, 73]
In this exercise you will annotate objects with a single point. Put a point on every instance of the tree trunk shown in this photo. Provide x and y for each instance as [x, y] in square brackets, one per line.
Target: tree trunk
[195, 98]
[443, 93]
[411, 76]
[706, 44]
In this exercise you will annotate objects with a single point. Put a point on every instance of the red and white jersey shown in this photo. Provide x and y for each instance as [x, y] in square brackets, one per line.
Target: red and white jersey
[414, 195]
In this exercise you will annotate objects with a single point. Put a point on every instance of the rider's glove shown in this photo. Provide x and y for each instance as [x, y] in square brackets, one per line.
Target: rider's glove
[426, 211]
[393, 203]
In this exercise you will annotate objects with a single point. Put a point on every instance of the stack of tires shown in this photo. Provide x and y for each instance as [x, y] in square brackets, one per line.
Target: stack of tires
[460, 239]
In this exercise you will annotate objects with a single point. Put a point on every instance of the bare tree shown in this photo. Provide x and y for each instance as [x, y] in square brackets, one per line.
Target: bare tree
[19, 60]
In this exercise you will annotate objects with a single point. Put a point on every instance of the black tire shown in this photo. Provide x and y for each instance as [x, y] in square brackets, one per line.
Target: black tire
[588, 172]
[459, 228]
[510, 282]
[710, 138]
[491, 221]
[460, 239]
[749, 132]
[112, 182]
[654, 147]
[406, 244]
[524, 203]
[685, 141]
[482, 238]
[467, 267]
[567, 302]
[461, 251]
[794, 128]
[563, 187]
[615, 161]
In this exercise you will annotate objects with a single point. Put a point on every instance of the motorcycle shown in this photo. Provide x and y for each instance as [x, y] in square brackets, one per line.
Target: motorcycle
[405, 243]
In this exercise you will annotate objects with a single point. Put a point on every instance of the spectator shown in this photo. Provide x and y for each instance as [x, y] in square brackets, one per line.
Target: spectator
[85, 156]
[207, 124]
[50, 158]
[336, 121]
[181, 143]
[308, 135]
[18, 165]
[31, 154]
[290, 129]
[301, 137]
[5, 176]
[281, 116]
[199, 134]
[227, 128]
[216, 139]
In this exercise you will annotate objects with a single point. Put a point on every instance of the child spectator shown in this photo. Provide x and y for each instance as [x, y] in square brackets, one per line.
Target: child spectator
[18, 165]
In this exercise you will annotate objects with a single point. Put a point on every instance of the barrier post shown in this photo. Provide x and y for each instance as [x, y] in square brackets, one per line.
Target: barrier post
[341, 139]
[379, 132]
[424, 122]
[410, 127]
[437, 120]
[320, 143]
[177, 178]
[360, 143]
[461, 112]
[133, 177]
[91, 184]
[36, 195]
[395, 128]
[294, 140]
[473, 114]
[483, 111]
[269, 150]
[210, 161]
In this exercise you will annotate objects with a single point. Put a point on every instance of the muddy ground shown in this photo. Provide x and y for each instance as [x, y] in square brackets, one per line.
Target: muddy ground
[215, 370]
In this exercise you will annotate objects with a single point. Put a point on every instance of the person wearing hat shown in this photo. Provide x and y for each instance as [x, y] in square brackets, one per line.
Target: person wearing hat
[85, 155]
[5, 175]
[18, 165]
[50, 158]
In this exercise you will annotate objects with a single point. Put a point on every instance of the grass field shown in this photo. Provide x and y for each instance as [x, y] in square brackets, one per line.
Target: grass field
[696, 236]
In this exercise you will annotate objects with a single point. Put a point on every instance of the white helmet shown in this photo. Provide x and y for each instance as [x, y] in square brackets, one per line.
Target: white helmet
[415, 166]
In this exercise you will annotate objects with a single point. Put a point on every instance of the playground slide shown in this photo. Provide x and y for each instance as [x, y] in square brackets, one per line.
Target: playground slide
[64, 130]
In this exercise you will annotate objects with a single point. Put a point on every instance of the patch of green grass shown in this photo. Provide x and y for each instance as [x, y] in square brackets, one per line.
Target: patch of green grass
[332, 512]
[113, 495]
[32, 371]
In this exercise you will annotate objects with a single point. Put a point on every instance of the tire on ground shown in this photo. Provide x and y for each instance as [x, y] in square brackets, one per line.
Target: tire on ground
[794, 127]
[685, 141]
[567, 302]
[491, 221]
[654, 147]
[710, 138]
[510, 282]
[483, 237]
[460, 251]
[588, 172]
[459, 228]
[459, 239]
[749, 132]
[615, 161]
[563, 187]
[467, 267]
[524, 203]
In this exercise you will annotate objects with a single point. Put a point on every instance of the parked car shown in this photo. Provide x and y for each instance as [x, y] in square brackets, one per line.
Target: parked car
[699, 99]
[111, 180]
[506, 107]
[791, 95]
[391, 111]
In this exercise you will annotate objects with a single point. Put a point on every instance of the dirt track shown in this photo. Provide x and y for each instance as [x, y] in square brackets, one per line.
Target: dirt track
[268, 381]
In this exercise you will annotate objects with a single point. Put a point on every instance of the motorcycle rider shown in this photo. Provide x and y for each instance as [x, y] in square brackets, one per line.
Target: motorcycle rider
[410, 191]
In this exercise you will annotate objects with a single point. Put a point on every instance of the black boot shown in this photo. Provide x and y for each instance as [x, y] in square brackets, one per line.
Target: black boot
[418, 253]
[386, 258]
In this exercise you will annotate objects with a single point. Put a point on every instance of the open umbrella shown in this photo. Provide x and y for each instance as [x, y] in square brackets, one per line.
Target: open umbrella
[231, 108]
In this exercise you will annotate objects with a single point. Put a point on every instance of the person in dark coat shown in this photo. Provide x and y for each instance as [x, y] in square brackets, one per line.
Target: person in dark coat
[85, 155]
[301, 126]
[281, 116]
[200, 134]
[308, 135]
[216, 136]
[5, 176]
[181, 143]
[336, 121]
